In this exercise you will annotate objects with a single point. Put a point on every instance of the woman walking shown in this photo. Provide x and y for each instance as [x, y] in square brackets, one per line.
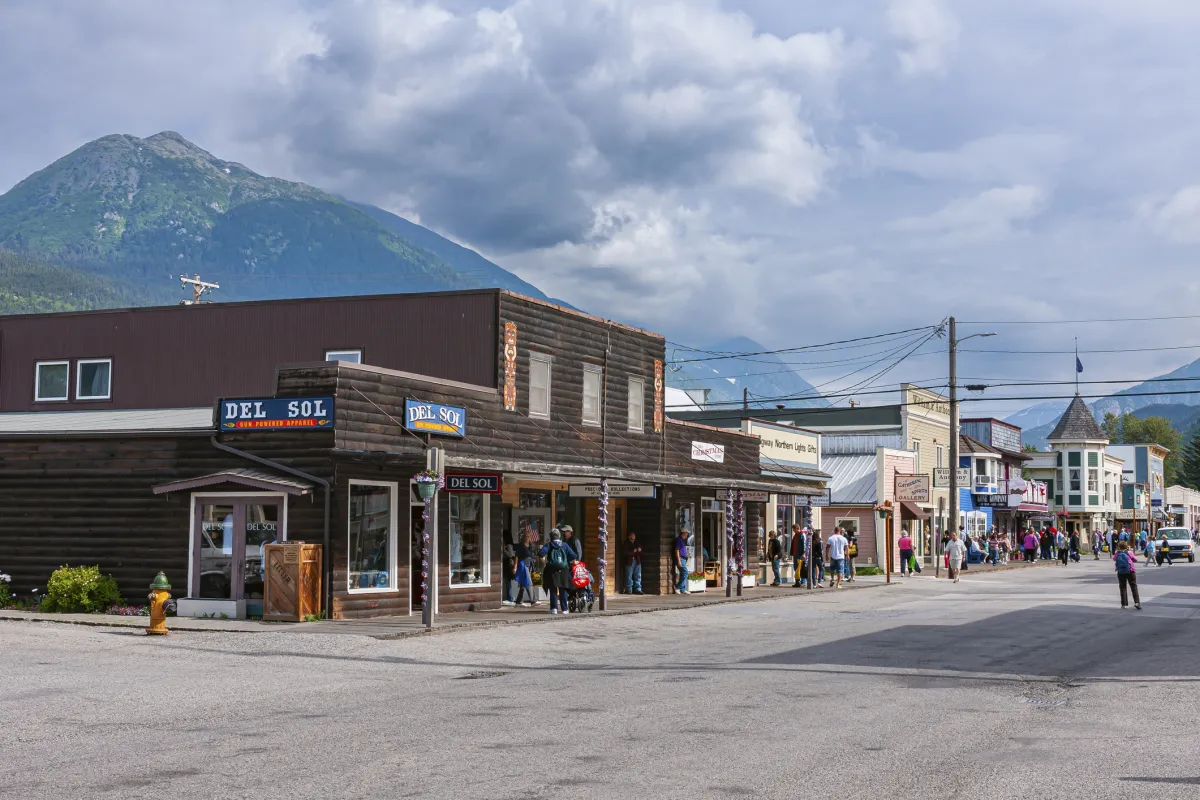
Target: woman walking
[521, 572]
[1127, 575]
[556, 574]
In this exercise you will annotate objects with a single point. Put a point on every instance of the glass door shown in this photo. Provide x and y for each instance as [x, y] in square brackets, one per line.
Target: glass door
[227, 552]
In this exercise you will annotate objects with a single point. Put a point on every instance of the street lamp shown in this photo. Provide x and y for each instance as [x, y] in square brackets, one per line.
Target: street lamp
[953, 510]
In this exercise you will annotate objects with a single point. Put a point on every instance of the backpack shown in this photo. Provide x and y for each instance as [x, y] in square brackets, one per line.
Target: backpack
[558, 557]
[1123, 565]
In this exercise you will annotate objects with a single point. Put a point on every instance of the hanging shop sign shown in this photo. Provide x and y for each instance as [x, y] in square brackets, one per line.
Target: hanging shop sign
[658, 396]
[814, 500]
[488, 483]
[991, 501]
[784, 445]
[510, 366]
[275, 413]
[747, 497]
[912, 488]
[425, 417]
[616, 491]
[702, 451]
[941, 477]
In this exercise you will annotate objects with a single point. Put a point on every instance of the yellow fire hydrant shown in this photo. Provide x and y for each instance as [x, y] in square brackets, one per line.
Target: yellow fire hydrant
[159, 595]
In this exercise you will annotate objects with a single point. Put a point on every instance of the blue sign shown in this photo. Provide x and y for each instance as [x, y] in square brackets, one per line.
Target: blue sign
[436, 418]
[275, 413]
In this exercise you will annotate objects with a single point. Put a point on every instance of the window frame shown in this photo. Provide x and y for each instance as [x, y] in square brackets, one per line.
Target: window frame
[916, 446]
[640, 394]
[79, 378]
[598, 372]
[1074, 479]
[393, 536]
[941, 456]
[1093, 479]
[37, 382]
[541, 358]
[485, 558]
[342, 351]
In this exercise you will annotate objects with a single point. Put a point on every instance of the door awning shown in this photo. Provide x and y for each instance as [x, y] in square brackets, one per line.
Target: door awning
[250, 478]
[911, 510]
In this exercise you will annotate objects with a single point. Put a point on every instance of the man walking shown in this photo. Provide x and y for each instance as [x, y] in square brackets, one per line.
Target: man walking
[775, 554]
[1096, 545]
[633, 565]
[836, 549]
[955, 552]
[681, 565]
[965, 539]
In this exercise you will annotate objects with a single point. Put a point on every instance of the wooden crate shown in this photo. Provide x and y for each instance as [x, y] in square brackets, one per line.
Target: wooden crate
[293, 581]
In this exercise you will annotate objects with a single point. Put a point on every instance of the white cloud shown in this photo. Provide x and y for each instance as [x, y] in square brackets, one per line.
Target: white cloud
[996, 158]
[1176, 218]
[928, 34]
[987, 216]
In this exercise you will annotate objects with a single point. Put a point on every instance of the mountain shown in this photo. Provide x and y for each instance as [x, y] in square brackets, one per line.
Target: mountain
[1183, 418]
[766, 376]
[138, 211]
[29, 286]
[1037, 416]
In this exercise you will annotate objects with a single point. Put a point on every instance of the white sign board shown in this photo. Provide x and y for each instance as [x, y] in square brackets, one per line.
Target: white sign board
[615, 490]
[702, 451]
[941, 477]
[912, 488]
[747, 497]
[784, 445]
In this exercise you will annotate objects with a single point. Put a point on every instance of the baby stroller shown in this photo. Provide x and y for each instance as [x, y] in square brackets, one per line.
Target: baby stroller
[580, 597]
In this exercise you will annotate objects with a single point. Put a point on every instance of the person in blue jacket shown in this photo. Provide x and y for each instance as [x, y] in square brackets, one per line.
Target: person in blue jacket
[556, 575]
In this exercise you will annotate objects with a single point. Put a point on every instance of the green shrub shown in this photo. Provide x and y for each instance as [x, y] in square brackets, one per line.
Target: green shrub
[5, 593]
[868, 570]
[76, 589]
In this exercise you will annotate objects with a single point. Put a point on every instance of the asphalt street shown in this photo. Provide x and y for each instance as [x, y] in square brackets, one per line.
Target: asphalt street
[1020, 684]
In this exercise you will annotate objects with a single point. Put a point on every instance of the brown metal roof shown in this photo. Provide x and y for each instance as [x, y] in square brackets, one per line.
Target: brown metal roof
[250, 478]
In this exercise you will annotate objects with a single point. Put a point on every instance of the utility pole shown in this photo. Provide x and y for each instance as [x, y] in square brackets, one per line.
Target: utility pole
[745, 399]
[952, 506]
[199, 288]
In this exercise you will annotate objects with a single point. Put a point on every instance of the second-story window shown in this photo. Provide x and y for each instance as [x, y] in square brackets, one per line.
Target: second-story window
[539, 385]
[637, 405]
[941, 456]
[351, 356]
[593, 378]
[93, 379]
[51, 380]
[917, 457]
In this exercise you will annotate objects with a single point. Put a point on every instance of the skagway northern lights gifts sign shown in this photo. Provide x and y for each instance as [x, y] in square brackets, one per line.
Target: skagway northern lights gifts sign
[275, 413]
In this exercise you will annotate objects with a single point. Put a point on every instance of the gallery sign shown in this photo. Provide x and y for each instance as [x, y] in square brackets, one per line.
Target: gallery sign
[486, 483]
[912, 488]
[275, 413]
[714, 453]
[425, 417]
[616, 491]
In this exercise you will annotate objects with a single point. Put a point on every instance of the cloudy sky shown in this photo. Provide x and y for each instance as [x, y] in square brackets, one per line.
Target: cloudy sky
[796, 172]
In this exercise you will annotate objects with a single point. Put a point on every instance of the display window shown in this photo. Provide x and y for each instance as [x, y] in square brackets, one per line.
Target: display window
[469, 516]
[371, 556]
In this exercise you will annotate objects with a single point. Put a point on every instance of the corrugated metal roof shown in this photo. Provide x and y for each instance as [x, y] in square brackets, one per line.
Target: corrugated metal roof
[149, 420]
[853, 478]
[859, 443]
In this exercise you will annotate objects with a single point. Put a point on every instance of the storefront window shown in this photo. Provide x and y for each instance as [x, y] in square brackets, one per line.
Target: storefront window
[216, 551]
[372, 527]
[468, 539]
[535, 498]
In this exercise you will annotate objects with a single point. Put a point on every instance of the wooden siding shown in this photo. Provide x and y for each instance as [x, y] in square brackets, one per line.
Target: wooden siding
[89, 501]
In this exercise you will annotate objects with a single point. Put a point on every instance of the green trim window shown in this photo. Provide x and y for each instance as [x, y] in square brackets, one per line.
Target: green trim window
[1074, 458]
[1093, 459]
[1059, 459]
[1058, 500]
[1075, 500]
[1050, 487]
[1093, 499]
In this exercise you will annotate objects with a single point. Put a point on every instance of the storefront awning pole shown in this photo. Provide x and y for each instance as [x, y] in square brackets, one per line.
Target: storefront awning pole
[739, 539]
[729, 563]
[603, 543]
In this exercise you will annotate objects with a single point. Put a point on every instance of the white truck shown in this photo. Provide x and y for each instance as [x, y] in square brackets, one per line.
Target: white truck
[1180, 542]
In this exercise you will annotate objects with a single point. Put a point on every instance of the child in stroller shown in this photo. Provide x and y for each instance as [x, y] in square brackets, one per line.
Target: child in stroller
[580, 597]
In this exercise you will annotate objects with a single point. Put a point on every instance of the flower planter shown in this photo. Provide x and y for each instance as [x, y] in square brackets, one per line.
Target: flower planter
[748, 582]
[698, 585]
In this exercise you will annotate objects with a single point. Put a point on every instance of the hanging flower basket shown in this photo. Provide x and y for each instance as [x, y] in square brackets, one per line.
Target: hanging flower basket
[428, 482]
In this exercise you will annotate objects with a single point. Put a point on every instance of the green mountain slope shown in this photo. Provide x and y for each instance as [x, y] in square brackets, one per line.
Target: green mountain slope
[29, 286]
[142, 210]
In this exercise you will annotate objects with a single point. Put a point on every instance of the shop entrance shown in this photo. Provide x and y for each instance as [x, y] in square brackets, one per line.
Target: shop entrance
[229, 532]
[710, 551]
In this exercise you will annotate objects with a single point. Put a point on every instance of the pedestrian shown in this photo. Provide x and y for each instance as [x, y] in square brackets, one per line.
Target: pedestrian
[556, 574]
[1044, 542]
[1096, 545]
[775, 554]
[836, 549]
[965, 538]
[1164, 551]
[955, 554]
[816, 552]
[681, 565]
[508, 572]
[993, 549]
[571, 541]
[1127, 575]
[799, 572]
[906, 551]
[523, 573]
[851, 554]
[1030, 545]
[633, 564]
[1073, 545]
[1060, 542]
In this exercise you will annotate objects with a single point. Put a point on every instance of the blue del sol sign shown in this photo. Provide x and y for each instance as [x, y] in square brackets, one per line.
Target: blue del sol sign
[424, 417]
[274, 413]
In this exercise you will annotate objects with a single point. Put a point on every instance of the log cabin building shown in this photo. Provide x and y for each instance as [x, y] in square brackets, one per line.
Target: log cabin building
[183, 438]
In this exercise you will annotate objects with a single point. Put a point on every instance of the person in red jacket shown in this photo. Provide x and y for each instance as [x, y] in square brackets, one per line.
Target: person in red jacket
[906, 551]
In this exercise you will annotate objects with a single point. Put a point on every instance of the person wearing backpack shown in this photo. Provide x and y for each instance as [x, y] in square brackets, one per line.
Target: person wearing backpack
[556, 575]
[1127, 575]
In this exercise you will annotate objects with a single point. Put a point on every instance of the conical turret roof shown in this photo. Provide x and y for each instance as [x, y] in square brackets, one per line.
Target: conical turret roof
[1077, 425]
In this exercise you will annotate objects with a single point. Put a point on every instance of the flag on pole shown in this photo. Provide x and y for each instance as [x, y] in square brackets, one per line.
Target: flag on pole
[1078, 364]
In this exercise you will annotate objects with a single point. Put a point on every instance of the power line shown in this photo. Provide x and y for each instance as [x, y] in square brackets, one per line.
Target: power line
[1073, 321]
[726, 355]
[1084, 352]
[1068, 383]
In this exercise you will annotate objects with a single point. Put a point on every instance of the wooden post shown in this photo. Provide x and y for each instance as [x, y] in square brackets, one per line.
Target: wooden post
[739, 539]
[728, 543]
[603, 562]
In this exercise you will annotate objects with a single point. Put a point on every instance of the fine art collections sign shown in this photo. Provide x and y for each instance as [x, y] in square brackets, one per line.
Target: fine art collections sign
[275, 413]
[912, 488]
[784, 445]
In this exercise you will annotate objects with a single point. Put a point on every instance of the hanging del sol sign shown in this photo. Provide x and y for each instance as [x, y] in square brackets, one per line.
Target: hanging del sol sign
[425, 417]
